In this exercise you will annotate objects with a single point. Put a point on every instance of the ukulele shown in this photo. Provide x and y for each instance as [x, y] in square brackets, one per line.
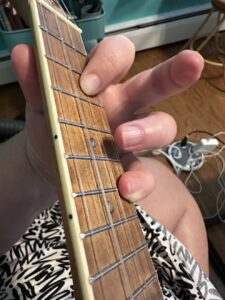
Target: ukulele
[108, 254]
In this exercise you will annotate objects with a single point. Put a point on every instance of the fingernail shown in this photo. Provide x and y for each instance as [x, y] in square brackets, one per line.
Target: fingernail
[134, 192]
[90, 84]
[132, 136]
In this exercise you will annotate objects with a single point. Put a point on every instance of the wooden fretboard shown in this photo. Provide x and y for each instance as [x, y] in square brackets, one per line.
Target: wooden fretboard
[109, 256]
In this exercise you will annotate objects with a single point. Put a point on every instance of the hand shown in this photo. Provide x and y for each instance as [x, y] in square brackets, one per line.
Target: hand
[108, 64]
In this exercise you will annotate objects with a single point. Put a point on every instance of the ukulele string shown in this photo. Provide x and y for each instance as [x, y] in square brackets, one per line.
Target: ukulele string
[74, 162]
[109, 215]
[106, 203]
[101, 186]
[79, 176]
[119, 201]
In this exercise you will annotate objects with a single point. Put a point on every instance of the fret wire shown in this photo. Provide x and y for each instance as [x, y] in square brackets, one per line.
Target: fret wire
[120, 255]
[57, 11]
[129, 242]
[120, 204]
[118, 251]
[131, 247]
[149, 281]
[60, 39]
[106, 227]
[80, 113]
[59, 98]
[94, 278]
[55, 88]
[99, 183]
[110, 170]
[71, 123]
[87, 157]
[94, 192]
[62, 64]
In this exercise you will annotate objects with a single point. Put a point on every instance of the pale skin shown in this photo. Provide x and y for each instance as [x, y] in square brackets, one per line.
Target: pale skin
[27, 183]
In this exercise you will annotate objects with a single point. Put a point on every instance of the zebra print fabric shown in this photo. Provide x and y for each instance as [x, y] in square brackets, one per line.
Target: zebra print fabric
[37, 266]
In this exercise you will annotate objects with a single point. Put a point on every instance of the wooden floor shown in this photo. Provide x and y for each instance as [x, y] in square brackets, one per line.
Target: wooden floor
[202, 107]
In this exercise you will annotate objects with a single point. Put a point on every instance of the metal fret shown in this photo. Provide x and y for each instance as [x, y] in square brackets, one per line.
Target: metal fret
[143, 286]
[62, 64]
[55, 88]
[121, 261]
[107, 227]
[87, 157]
[71, 123]
[61, 40]
[94, 192]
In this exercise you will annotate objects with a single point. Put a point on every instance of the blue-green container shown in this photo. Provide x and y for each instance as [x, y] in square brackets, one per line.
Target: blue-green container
[12, 38]
[92, 24]
[121, 11]
[93, 28]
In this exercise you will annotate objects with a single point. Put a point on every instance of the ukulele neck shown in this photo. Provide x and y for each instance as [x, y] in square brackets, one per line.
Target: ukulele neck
[109, 256]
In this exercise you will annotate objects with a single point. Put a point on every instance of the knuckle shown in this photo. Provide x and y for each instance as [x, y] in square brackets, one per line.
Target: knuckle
[111, 62]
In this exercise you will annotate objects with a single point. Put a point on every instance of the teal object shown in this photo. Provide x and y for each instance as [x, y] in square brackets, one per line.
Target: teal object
[118, 11]
[12, 38]
[76, 8]
[92, 26]
[2, 43]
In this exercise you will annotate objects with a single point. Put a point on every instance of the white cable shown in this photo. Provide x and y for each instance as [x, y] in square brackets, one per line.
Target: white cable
[192, 173]
[203, 149]
[221, 183]
[215, 153]
[219, 133]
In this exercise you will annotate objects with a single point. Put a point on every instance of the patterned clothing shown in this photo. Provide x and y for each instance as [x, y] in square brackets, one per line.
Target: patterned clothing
[37, 267]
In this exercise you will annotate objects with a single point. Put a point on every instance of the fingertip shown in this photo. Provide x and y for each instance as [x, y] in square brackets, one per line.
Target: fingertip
[187, 67]
[90, 84]
[23, 62]
[135, 186]
[20, 51]
[152, 132]
[108, 64]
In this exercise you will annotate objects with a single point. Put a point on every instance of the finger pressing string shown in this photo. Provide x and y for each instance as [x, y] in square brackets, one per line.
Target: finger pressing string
[152, 132]
[137, 183]
[106, 66]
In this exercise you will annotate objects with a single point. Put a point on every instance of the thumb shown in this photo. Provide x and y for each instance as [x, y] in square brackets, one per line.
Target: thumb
[23, 61]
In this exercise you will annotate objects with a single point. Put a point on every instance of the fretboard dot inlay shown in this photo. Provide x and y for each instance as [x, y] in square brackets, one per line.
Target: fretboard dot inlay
[110, 206]
[93, 143]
